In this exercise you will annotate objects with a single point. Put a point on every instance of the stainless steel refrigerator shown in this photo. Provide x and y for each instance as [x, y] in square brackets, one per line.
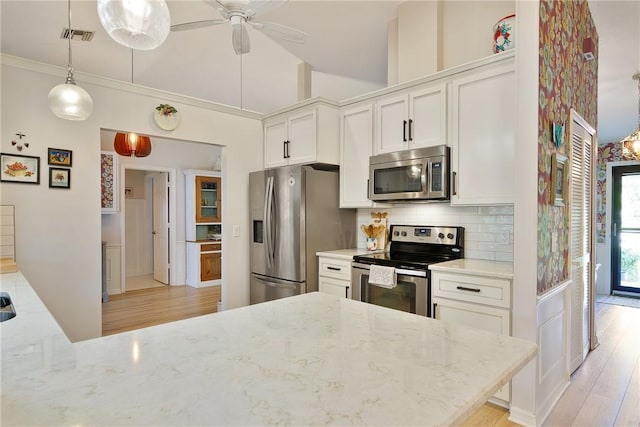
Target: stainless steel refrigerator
[294, 213]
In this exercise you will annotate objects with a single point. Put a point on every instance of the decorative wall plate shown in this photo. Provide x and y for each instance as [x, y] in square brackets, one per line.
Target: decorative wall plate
[166, 121]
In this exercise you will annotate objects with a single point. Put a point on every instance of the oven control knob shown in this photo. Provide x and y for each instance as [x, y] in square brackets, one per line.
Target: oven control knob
[396, 233]
[440, 235]
[450, 236]
[404, 234]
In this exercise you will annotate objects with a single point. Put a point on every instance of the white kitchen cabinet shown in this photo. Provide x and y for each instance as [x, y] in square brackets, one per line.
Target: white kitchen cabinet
[356, 145]
[334, 276]
[474, 300]
[483, 126]
[303, 135]
[411, 119]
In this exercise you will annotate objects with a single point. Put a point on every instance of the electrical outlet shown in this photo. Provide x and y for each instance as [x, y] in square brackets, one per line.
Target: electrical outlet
[502, 238]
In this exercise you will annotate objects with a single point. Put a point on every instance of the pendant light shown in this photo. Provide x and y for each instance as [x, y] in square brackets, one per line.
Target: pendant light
[131, 144]
[631, 144]
[68, 100]
[137, 24]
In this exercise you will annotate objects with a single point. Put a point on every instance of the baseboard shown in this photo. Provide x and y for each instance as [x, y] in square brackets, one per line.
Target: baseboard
[547, 406]
[522, 417]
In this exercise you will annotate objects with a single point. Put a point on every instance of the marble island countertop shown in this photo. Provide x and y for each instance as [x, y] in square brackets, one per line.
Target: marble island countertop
[305, 360]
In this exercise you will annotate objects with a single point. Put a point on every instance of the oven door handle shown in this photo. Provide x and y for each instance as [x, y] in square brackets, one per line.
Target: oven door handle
[399, 271]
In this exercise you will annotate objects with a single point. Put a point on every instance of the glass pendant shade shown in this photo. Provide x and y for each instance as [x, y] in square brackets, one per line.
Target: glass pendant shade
[71, 102]
[132, 144]
[136, 24]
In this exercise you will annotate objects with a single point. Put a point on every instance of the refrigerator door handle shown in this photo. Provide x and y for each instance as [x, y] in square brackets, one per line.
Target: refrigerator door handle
[276, 283]
[267, 223]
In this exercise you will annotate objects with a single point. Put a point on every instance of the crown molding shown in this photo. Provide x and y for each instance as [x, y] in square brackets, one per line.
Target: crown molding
[54, 70]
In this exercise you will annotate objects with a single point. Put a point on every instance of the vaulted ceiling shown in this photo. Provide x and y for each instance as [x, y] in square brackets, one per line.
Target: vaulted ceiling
[348, 38]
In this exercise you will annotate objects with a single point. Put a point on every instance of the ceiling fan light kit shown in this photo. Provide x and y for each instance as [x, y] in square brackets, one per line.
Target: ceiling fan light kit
[136, 24]
[68, 100]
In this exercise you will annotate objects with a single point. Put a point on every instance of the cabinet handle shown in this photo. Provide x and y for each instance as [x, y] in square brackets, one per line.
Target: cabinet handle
[284, 149]
[464, 288]
[288, 155]
[410, 126]
[435, 304]
[334, 268]
[453, 184]
[346, 292]
[404, 130]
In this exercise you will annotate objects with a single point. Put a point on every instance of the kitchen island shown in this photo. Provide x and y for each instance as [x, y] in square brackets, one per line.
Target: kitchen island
[305, 360]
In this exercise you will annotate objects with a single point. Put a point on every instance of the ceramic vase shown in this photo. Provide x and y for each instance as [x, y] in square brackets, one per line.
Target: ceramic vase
[504, 36]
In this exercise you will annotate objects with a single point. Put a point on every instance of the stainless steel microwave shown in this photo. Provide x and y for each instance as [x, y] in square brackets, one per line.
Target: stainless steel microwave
[421, 174]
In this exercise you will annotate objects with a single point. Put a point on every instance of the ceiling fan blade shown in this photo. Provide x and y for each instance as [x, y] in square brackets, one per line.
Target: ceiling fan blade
[197, 24]
[219, 6]
[240, 39]
[280, 31]
[256, 7]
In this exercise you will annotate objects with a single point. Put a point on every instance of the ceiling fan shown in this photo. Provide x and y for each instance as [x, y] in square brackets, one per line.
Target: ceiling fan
[240, 12]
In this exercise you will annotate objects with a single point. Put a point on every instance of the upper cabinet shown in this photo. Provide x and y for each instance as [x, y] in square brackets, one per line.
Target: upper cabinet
[203, 201]
[356, 127]
[208, 199]
[411, 119]
[306, 134]
[483, 127]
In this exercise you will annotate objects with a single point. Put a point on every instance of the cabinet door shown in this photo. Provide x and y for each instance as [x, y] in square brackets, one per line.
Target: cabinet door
[391, 124]
[208, 199]
[210, 266]
[275, 135]
[356, 147]
[489, 319]
[301, 147]
[339, 288]
[427, 117]
[483, 137]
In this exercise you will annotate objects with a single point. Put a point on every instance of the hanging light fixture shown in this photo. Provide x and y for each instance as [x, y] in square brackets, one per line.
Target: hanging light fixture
[137, 24]
[131, 144]
[631, 144]
[68, 100]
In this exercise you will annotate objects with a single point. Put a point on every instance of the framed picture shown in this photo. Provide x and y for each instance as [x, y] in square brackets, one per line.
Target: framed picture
[558, 177]
[59, 157]
[59, 178]
[18, 168]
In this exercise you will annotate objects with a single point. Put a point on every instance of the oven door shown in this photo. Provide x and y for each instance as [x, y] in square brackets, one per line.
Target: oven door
[412, 294]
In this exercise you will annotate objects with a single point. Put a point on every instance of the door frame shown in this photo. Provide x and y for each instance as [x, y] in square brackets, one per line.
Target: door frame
[614, 256]
[125, 164]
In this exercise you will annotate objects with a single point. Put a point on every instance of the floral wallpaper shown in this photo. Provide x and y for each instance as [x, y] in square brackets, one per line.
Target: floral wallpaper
[107, 167]
[610, 152]
[567, 80]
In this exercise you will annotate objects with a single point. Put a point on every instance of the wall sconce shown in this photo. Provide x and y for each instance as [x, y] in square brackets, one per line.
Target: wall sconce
[588, 48]
[131, 144]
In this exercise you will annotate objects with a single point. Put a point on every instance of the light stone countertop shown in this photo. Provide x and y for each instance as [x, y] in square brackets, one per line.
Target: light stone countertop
[305, 360]
[345, 254]
[476, 266]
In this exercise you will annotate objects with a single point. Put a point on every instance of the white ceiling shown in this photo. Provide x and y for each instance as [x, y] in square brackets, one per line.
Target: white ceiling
[348, 38]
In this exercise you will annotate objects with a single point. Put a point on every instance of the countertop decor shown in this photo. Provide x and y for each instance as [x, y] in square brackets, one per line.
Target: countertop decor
[311, 359]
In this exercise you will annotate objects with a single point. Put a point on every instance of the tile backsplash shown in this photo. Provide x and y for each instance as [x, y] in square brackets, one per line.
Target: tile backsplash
[488, 229]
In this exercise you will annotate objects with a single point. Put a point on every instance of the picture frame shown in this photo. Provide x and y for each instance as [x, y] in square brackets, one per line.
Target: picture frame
[19, 168]
[59, 178]
[558, 179]
[59, 157]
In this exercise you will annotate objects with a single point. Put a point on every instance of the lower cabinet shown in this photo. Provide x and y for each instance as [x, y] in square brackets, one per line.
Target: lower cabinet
[476, 301]
[204, 264]
[334, 276]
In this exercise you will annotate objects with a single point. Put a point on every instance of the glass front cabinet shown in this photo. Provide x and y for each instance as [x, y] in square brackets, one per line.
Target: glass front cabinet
[204, 227]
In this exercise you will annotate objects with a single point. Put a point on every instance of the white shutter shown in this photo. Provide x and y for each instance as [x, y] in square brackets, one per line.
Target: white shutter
[581, 240]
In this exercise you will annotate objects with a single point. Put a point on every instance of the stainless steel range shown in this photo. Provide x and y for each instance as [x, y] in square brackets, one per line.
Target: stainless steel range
[411, 251]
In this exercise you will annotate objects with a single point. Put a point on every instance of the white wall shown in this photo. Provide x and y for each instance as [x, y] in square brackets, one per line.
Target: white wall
[339, 87]
[419, 32]
[468, 29]
[58, 232]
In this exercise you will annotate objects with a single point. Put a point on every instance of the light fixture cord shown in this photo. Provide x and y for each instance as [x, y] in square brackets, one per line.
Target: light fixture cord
[132, 66]
[637, 77]
[70, 79]
[241, 55]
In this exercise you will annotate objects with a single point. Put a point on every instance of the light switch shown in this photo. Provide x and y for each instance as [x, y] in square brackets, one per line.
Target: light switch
[236, 231]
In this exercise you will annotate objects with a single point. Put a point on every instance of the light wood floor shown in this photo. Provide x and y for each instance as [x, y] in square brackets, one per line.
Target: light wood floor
[148, 307]
[605, 391]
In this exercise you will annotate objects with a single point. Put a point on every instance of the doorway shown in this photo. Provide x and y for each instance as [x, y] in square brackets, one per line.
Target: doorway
[625, 231]
[146, 228]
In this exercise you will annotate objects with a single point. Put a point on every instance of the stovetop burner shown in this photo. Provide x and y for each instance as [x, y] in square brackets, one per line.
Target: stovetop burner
[415, 247]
